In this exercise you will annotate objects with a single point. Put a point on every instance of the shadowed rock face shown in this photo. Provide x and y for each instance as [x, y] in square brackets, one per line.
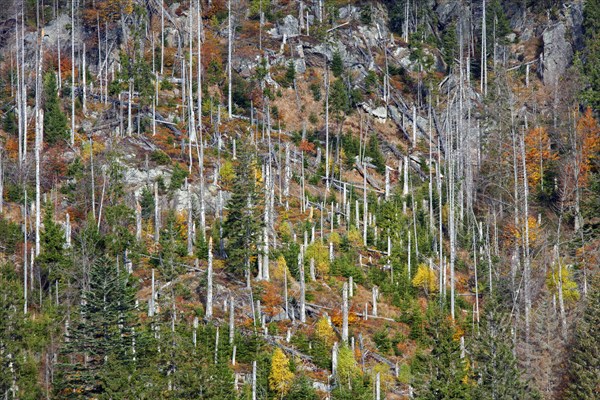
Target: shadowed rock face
[558, 53]
[7, 9]
[7, 20]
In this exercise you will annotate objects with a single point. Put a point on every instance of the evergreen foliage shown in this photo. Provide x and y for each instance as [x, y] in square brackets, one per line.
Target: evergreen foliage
[290, 73]
[10, 122]
[102, 330]
[19, 339]
[55, 121]
[591, 52]
[53, 259]
[495, 368]
[337, 64]
[241, 228]
[584, 367]
[441, 374]
[302, 389]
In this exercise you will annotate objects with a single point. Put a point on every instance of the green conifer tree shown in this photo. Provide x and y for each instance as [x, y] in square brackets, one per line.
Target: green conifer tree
[290, 73]
[242, 226]
[10, 122]
[591, 52]
[494, 364]
[337, 64]
[585, 356]
[100, 331]
[18, 364]
[441, 374]
[55, 121]
[53, 259]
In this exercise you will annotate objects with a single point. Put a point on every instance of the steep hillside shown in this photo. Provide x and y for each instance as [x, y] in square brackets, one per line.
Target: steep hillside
[299, 200]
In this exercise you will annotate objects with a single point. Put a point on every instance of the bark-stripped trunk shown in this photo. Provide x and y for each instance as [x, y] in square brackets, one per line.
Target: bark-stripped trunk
[302, 290]
[209, 281]
[345, 313]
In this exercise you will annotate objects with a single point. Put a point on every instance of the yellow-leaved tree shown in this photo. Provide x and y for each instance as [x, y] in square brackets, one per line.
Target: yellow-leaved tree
[347, 369]
[320, 253]
[588, 131]
[563, 275]
[280, 270]
[425, 278]
[280, 377]
[538, 154]
[386, 378]
[324, 331]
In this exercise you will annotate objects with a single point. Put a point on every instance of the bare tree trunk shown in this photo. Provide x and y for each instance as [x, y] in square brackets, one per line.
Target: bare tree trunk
[409, 252]
[162, 38]
[345, 313]
[129, 120]
[476, 278]
[83, 83]
[285, 293]
[72, 74]
[326, 76]
[387, 183]
[25, 264]
[152, 306]
[527, 266]
[19, 95]
[156, 214]
[138, 219]
[451, 223]
[229, 56]
[365, 204]
[405, 166]
[209, 282]
[93, 179]
[561, 301]
[302, 290]
[190, 221]
[483, 83]
[231, 319]
[195, 332]
[217, 345]
[102, 197]
[39, 131]
[334, 359]
[253, 380]
[375, 295]
[287, 174]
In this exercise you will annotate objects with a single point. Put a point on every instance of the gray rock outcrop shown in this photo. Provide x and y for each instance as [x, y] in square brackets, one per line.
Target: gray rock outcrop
[557, 55]
[289, 27]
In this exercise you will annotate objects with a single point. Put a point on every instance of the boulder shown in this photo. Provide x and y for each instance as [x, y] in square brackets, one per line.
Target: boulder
[245, 66]
[380, 113]
[300, 65]
[574, 21]
[447, 11]
[349, 12]
[58, 28]
[557, 55]
[289, 27]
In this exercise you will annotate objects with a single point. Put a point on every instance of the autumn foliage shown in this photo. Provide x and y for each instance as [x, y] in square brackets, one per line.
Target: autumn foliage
[271, 299]
[425, 278]
[588, 132]
[324, 331]
[538, 153]
[107, 11]
[516, 234]
[307, 146]
[280, 378]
